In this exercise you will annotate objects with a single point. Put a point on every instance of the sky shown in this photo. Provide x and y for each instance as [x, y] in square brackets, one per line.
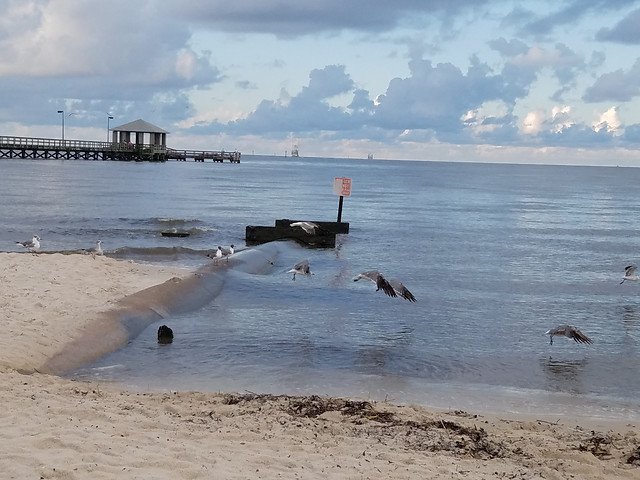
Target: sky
[529, 81]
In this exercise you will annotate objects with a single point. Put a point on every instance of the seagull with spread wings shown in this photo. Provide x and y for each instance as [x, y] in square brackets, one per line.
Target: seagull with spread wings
[568, 331]
[301, 268]
[381, 283]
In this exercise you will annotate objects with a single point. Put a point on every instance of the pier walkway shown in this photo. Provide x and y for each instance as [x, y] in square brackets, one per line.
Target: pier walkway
[49, 148]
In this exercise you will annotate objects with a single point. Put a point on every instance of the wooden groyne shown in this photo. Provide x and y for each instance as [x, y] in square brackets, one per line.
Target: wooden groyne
[49, 148]
[323, 237]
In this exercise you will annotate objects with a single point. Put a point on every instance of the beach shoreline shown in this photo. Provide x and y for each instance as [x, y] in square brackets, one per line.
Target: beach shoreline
[54, 427]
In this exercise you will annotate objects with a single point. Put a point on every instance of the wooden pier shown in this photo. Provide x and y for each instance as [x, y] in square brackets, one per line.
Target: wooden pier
[202, 155]
[49, 148]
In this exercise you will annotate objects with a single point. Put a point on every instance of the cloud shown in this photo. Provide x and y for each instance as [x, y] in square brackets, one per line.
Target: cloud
[100, 41]
[626, 30]
[307, 111]
[438, 97]
[617, 86]
[568, 13]
[632, 133]
[303, 17]
[608, 121]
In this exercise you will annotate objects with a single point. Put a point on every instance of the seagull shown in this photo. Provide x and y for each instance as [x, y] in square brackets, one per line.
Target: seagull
[301, 268]
[216, 256]
[229, 252]
[401, 290]
[31, 245]
[630, 274]
[381, 283]
[308, 227]
[568, 331]
[97, 250]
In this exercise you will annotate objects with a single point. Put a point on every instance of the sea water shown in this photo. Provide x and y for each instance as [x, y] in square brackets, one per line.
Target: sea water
[495, 255]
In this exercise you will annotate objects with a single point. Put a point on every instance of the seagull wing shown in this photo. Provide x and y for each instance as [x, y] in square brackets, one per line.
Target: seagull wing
[308, 227]
[577, 335]
[402, 290]
[630, 270]
[383, 284]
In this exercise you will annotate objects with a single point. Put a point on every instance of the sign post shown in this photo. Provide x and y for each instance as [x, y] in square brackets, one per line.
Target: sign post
[342, 187]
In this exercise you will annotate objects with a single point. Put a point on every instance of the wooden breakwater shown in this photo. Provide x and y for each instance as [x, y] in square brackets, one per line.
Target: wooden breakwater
[48, 148]
[323, 237]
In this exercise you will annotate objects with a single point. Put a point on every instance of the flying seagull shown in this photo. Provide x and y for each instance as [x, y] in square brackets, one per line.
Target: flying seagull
[401, 290]
[301, 268]
[31, 245]
[97, 250]
[630, 274]
[568, 331]
[381, 283]
[308, 227]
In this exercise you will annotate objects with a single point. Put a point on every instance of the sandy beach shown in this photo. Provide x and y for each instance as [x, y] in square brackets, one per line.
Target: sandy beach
[56, 428]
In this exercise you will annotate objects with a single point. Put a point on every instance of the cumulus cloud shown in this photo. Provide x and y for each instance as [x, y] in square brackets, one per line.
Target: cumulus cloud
[608, 121]
[309, 110]
[437, 97]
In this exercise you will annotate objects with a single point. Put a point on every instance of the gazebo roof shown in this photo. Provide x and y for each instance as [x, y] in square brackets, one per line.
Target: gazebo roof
[139, 126]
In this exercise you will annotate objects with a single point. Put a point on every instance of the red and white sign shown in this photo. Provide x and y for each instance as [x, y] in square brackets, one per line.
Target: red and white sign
[342, 186]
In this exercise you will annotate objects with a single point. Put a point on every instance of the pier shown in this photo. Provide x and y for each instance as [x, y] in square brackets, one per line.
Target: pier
[49, 148]
[121, 148]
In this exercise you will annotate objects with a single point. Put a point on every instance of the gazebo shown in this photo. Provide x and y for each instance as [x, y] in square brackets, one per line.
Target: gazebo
[138, 130]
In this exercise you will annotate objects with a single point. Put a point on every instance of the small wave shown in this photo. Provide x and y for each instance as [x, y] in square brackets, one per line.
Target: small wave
[174, 220]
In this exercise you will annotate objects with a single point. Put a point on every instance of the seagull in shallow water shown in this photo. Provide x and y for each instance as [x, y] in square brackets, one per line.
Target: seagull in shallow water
[568, 331]
[630, 274]
[381, 283]
[401, 290]
[229, 252]
[216, 256]
[308, 227]
[97, 250]
[31, 245]
[300, 268]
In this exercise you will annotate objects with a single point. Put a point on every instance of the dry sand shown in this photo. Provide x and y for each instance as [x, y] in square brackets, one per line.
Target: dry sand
[56, 428]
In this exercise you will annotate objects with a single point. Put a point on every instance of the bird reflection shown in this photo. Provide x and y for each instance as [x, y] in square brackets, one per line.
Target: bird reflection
[564, 375]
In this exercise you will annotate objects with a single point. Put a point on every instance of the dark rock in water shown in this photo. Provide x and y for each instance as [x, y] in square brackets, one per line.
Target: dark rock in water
[174, 233]
[165, 335]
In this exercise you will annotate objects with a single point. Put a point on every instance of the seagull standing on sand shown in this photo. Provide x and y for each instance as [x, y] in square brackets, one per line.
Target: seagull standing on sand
[381, 283]
[97, 250]
[630, 274]
[308, 227]
[301, 268]
[32, 245]
[568, 331]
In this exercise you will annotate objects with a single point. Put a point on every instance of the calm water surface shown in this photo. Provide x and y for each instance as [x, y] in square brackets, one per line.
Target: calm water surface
[495, 254]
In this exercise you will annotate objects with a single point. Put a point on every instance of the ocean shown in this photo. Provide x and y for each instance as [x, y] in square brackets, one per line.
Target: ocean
[495, 254]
